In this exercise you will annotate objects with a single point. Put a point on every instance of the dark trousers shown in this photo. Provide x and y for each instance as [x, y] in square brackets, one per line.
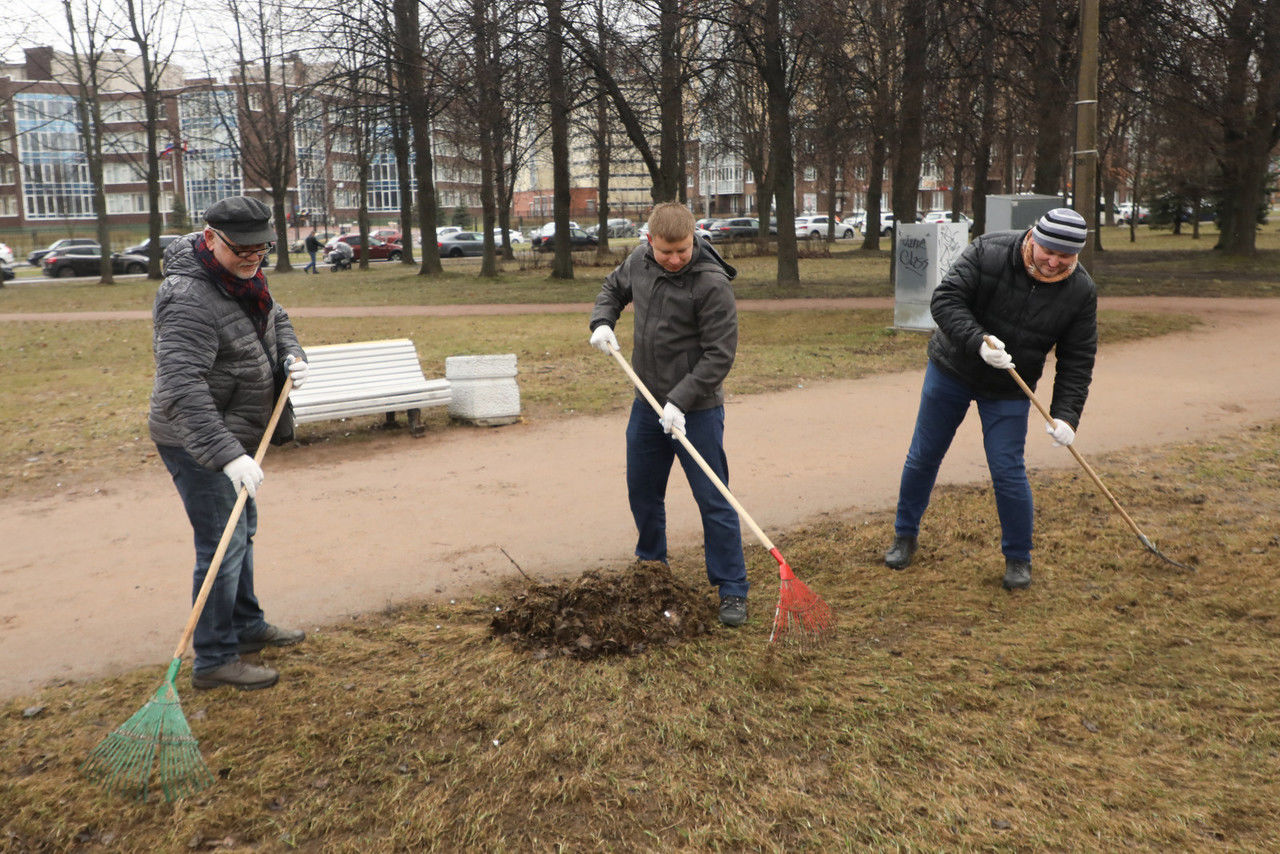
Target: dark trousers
[650, 453]
[944, 400]
[312, 266]
[231, 611]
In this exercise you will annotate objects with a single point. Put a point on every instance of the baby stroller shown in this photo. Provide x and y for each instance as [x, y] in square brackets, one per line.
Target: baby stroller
[339, 258]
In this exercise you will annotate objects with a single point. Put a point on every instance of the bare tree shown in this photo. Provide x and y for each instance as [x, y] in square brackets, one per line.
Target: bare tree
[86, 26]
[421, 96]
[153, 29]
[558, 98]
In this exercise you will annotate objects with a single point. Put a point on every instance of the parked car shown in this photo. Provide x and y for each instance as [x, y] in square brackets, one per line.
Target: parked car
[34, 258]
[387, 235]
[6, 254]
[143, 247]
[1124, 213]
[86, 260]
[815, 228]
[514, 233]
[460, 243]
[379, 250]
[735, 228]
[945, 216]
[886, 224]
[578, 239]
[6, 273]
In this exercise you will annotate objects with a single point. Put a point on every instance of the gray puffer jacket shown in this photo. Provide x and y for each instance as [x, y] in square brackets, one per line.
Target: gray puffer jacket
[214, 384]
[686, 325]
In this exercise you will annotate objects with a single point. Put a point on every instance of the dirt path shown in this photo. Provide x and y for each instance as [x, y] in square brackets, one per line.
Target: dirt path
[93, 584]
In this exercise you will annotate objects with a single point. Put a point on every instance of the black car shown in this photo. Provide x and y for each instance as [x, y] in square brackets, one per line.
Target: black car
[737, 228]
[143, 247]
[578, 239]
[37, 256]
[86, 260]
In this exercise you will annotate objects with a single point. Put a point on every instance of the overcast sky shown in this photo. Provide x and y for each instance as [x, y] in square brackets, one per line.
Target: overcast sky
[44, 22]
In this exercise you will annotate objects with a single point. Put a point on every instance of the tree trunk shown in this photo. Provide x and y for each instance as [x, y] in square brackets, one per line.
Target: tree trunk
[410, 59]
[779, 107]
[558, 96]
[906, 158]
[875, 192]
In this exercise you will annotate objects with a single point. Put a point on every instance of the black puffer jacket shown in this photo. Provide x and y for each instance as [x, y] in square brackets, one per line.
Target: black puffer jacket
[686, 327]
[214, 385]
[988, 291]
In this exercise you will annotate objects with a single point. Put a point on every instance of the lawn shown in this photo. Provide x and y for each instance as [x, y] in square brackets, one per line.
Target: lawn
[1118, 704]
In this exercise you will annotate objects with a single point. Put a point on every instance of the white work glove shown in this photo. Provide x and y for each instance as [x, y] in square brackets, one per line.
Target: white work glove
[244, 472]
[298, 369]
[672, 418]
[1061, 432]
[994, 354]
[603, 339]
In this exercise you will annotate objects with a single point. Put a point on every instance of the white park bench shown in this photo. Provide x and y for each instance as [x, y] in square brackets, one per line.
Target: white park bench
[366, 378]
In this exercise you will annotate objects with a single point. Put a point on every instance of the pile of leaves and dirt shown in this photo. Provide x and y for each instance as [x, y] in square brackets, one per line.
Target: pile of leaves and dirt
[606, 613]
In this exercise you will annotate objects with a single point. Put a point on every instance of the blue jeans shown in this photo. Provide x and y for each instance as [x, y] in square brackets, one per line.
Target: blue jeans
[944, 400]
[231, 611]
[650, 453]
[312, 265]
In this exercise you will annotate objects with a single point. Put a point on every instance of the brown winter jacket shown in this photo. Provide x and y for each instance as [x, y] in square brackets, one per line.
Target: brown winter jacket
[686, 323]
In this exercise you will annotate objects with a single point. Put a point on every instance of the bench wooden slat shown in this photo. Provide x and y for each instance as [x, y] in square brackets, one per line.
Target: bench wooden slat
[367, 378]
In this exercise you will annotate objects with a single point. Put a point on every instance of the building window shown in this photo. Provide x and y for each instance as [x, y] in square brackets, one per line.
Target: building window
[810, 173]
[8, 205]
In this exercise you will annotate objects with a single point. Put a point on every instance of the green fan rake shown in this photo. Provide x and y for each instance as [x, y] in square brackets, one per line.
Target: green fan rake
[154, 749]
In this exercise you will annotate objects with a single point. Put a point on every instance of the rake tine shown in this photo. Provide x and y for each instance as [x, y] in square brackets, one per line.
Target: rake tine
[1133, 526]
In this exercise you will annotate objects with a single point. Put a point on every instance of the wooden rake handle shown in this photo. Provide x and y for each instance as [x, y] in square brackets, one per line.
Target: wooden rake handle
[241, 499]
[1088, 469]
[702, 464]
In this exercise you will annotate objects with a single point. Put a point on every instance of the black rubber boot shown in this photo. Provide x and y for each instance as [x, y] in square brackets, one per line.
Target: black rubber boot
[1017, 574]
[900, 553]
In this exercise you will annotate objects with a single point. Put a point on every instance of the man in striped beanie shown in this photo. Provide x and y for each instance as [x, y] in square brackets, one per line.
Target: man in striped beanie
[1010, 298]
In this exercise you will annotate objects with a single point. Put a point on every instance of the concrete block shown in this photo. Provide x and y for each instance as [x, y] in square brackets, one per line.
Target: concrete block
[484, 388]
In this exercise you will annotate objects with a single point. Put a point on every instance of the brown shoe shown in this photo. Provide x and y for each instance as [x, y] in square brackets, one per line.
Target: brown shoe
[238, 674]
[273, 636]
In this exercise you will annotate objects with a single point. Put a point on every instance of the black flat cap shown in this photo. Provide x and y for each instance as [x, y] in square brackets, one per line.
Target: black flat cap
[243, 220]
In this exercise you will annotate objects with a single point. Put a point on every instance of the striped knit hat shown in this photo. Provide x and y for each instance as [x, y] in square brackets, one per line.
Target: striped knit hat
[1062, 230]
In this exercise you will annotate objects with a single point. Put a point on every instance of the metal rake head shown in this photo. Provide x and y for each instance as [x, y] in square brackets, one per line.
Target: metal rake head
[152, 750]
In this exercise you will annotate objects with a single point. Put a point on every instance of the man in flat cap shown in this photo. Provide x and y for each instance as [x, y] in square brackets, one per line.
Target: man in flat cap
[222, 349]
[1009, 298]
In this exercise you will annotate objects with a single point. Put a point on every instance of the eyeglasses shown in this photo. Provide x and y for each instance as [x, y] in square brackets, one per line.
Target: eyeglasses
[241, 251]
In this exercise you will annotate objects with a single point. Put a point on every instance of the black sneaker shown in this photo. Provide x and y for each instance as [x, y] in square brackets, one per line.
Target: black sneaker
[901, 552]
[273, 636]
[1017, 574]
[733, 610]
[237, 674]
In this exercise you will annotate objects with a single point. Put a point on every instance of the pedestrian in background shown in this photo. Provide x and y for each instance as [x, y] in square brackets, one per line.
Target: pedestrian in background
[1010, 298]
[313, 245]
[685, 339]
[222, 348]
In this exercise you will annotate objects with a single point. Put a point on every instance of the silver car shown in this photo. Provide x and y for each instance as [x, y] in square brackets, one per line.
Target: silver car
[461, 243]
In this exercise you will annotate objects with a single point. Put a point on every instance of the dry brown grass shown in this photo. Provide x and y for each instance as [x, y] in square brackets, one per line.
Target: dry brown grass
[1117, 704]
